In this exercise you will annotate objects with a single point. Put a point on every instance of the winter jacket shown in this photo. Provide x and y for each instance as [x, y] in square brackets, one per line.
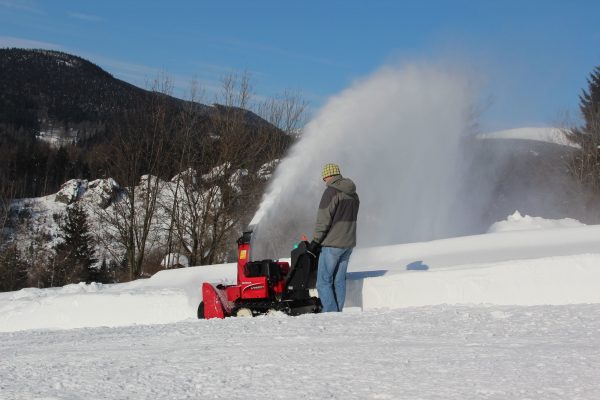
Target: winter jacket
[336, 218]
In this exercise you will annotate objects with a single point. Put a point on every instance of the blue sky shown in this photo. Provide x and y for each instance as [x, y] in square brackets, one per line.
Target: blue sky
[532, 57]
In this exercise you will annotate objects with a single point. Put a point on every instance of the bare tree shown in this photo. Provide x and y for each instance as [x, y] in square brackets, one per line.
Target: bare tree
[219, 190]
[7, 194]
[207, 202]
[9, 188]
[287, 111]
[189, 126]
[138, 149]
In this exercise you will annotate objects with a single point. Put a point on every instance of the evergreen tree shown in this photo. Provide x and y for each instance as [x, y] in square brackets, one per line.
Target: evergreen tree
[75, 255]
[585, 163]
[101, 275]
[13, 269]
[590, 104]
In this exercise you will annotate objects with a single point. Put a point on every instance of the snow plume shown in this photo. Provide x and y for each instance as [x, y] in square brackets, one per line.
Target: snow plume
[397, 134]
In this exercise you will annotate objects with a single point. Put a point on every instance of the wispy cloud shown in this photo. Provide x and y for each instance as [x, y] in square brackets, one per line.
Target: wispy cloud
[22, 5]
[85, 17]
[277, 51]
[9, 41]
[218, 71]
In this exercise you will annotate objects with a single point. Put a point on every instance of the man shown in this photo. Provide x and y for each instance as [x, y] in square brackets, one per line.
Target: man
[335, 235]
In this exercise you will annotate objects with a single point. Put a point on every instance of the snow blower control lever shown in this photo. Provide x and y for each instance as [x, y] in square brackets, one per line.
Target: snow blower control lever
[264, 286]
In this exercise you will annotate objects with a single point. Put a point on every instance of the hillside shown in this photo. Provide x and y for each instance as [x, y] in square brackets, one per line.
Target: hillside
[51, 100]
[41, 88]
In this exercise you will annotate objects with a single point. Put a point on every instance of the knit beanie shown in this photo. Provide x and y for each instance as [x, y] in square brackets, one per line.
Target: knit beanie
[330, 170]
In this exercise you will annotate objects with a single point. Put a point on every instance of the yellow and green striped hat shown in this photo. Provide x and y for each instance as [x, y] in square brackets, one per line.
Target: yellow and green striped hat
[330, 170]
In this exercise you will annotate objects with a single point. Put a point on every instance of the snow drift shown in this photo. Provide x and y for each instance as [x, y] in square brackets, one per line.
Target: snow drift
[518, 222]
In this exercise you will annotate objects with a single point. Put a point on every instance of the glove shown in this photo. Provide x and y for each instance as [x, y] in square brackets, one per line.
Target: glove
[313, 248]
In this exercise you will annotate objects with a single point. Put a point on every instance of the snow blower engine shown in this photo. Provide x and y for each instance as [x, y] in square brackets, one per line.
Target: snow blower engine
[264, 286]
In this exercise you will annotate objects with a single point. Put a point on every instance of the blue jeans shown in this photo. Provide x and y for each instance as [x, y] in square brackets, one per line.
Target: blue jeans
[331, 277]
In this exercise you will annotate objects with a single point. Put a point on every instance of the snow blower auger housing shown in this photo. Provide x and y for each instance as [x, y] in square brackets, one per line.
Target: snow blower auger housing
[264, 286]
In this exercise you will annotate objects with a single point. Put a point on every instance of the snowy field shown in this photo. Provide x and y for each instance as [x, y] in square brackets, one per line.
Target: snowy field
[512, 314]
[436, 352]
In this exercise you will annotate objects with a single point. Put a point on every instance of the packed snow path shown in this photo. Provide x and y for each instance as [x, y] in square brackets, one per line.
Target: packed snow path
[435, 352]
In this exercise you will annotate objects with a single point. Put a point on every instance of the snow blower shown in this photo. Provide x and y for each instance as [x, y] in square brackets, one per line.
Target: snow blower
[264, 286]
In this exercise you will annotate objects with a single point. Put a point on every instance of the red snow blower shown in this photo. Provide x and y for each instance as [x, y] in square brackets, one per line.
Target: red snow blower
[264, 286]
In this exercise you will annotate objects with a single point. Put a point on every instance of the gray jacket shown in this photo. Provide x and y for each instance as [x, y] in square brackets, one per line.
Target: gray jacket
[336, 218]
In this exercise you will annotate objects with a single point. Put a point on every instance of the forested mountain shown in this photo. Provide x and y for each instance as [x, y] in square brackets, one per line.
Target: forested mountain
[58, 112]
[41, 87]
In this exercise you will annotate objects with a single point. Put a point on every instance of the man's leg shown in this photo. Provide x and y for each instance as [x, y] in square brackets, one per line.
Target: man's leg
[327, 264]
[340, 278]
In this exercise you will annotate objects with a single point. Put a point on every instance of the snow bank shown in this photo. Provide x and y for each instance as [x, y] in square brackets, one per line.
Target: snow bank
[543, 281]
[518, 222]
[164, 298]
[479, 249]
[76, 306]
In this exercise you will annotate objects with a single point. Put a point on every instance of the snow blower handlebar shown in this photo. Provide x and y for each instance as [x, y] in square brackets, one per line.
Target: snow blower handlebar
[245, 238]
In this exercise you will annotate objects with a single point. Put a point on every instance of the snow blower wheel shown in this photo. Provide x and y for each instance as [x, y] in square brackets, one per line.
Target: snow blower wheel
[201, 310]
[244, 312]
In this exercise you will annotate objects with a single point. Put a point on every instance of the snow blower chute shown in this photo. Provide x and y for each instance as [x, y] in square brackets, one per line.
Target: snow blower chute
[264, 286]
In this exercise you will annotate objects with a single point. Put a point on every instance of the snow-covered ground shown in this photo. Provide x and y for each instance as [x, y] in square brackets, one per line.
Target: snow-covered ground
[435, 352]
[513, 314]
